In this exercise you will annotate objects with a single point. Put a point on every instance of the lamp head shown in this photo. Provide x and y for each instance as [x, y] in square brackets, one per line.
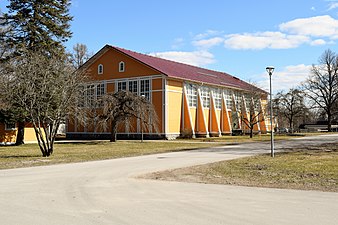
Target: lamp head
[270, 69]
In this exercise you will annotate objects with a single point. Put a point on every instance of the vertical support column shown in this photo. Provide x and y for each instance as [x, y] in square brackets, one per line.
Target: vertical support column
[225, 120]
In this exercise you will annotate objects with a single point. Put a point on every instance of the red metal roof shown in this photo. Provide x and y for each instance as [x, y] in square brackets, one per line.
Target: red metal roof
[188, 72]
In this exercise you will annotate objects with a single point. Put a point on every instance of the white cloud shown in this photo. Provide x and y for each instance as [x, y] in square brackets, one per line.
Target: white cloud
[207, 34]
[313, 8]
[195, 58]
[333, 5]
[208, 43]
[292, 34]
[289, 77]
[261, 40]
[318, 42]
[318, 26]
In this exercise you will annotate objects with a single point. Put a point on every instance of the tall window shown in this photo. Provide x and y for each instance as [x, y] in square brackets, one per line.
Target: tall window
[145, 88]
[133, 86]
[90, 95]
[217, 94]
[192, 95]
[247, 98]
[121, 85]
[100, 90]
[121, 67]
[238, 99]
[228, 98]
[205, 95]
[100, 69]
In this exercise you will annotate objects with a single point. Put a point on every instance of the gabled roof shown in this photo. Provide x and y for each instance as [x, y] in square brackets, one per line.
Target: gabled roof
[183, 71]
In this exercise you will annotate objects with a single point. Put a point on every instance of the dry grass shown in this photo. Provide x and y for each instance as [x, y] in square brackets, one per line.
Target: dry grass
[29, 154]
[315, 168]
[246, 138]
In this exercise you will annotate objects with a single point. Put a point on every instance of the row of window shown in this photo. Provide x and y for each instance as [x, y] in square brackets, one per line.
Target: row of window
[140, 87]
[92, 93]
[121, 68]
[217, 96]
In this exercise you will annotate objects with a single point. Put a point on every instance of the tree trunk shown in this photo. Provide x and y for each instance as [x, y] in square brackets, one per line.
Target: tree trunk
[113, 132]
[21, 133]
[329, 122]
[251, 132]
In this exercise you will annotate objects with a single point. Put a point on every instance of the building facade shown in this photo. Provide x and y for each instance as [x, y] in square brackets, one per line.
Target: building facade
[189, 100]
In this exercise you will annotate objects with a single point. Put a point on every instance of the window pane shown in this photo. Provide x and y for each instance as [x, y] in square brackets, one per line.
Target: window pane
[192, 95]
[145, 88]
[205, 95]
[133, 86]
[122, 85]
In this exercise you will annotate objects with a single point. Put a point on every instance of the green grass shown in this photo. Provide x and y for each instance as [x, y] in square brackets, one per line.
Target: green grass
[311, 169]
[29, 154]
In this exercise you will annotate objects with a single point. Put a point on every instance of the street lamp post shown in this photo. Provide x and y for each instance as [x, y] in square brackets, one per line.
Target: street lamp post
[270, 70]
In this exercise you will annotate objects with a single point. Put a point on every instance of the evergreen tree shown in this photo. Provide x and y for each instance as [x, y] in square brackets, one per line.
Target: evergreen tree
[33, 25]
[37, 24]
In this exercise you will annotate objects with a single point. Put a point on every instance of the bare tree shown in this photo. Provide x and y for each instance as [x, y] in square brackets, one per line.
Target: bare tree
[252, 111]
[45, 87]
[124, 106]
[290, 105]
[321, 87]
[79, 55]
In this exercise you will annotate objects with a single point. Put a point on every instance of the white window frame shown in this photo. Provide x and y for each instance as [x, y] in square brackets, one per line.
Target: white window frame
[238, 98]
[121, 85]
[100, 69]
[121, 66]
[145, 87]
[217, 94]
[133, 86]
[141, 87]
[205, 96]
[191, 95]
[228, 98]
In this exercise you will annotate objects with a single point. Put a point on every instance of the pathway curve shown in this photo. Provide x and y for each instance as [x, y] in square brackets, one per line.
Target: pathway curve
[106, 192]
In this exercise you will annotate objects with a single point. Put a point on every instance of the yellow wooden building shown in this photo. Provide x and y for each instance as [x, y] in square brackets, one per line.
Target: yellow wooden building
[8, 132]
[189, 100]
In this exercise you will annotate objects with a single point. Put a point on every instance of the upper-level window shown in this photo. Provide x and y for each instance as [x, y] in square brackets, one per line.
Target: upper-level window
[121, 67]
[145, 89]
[192, 95]
[228, 98]
[100, 69]
[89, 96]
[217, 94]
[100, 90]
[133, 86]
[122, 85]
[205, 95]
[238, 99]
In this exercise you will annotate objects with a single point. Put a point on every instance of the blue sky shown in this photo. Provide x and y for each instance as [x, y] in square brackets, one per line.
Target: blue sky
[239, 37]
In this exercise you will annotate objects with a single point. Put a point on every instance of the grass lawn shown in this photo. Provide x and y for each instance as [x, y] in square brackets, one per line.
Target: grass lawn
[245, 138]
[315, 168]
[29, 154]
